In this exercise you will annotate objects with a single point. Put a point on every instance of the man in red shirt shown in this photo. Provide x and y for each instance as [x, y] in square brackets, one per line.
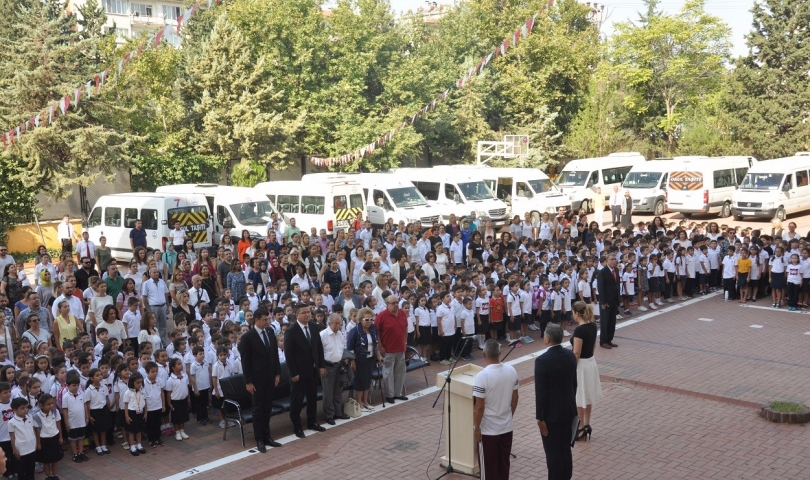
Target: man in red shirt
[392, 330]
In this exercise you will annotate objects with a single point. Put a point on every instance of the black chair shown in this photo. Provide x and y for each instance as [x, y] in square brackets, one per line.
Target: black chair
[281, 394]
[414, 361]
[237, 403]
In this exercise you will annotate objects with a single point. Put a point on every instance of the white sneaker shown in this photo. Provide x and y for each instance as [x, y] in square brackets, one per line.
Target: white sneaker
[177, 436]
[669, 300]
[619, 317]
[183, 434]
[125, 445]
[222, 424]
[658, 301]
[642, 309]
[652, 306]
[566, 334]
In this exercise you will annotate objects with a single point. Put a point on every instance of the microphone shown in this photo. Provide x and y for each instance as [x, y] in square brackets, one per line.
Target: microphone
[469, 337]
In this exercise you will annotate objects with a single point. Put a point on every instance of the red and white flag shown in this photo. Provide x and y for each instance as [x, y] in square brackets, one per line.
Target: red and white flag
[64, 104]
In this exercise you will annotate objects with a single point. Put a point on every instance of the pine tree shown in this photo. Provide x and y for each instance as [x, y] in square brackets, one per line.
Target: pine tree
[232, 108]
[46, 58]
[769, 100]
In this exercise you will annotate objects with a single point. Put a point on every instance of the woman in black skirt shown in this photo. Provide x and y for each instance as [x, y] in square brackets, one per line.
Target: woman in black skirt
[135, 413]
[363, 342]
[95, 394]
[49, 422]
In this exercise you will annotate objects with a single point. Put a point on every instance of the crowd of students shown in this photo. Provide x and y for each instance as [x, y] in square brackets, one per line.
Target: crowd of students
[105, 381]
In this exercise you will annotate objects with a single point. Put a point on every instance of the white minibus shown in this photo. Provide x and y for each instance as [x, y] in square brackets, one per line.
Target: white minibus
[774, 188]
[388, 196]
[235, 208]
[331, 204]
[706, 184]
[524, 190]
[455, 191]
[647, 183]
[114, 216]
[580, 178]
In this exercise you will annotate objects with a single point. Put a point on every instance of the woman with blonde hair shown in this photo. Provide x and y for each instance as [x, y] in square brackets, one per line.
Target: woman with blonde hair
[589, 388]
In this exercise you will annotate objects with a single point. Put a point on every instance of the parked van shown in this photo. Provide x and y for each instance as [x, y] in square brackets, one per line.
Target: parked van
[580, 178]
[647, 183]
[113, 217]
[524, 190]
[236, 208]
[455, 191]
[388, 196]
[774, 188]
[706, 184]
[316, 203]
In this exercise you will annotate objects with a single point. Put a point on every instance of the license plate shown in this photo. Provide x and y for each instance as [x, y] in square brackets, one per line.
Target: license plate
[747, 213]
[342, 223]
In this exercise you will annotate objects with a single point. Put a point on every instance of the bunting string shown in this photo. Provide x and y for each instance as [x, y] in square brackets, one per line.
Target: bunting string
[511, 41]
[93, 87]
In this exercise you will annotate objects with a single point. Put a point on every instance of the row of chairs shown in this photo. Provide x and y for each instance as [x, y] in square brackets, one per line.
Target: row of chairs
[237, 402]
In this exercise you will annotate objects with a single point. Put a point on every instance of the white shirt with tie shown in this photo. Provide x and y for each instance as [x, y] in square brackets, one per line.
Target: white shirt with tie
[86, 249]
[616, 199]
[265, 337]
[197, 295]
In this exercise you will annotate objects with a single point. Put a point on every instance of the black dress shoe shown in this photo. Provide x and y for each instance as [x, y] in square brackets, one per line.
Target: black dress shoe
[342, 417]
[260, 447]
[272, 443]
[316, 427]
[389, 399]
[300, 434]
[330, 421]
[605, 345]
[612, 344]
[402, 397]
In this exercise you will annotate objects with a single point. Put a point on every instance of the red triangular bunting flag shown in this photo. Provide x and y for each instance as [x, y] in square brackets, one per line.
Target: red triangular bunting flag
[64, 104]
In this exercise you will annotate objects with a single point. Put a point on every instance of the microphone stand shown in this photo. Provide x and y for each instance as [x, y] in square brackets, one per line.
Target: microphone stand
[450, 468]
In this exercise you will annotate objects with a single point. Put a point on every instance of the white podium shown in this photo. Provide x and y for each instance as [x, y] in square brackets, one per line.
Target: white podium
[458, 419]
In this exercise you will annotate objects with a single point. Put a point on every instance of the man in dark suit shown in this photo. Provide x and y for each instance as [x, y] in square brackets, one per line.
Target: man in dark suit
[607, 282]
[555, 386]
[259, 351]
[304, 353]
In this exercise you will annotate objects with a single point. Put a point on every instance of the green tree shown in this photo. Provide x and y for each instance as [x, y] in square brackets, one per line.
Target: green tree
[667, 64]
[173, 166]
[248, 173]
[769, 99]
[46, 58]
[233, 110]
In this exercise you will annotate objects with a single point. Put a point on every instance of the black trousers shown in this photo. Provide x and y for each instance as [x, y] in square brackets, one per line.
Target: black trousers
[11, 460]
[201, 405]
[557, 445]
[445, 347]
[153, 419]
[607, 323]
[615, 214]
[495, 461]
[304, 387]
[261, 408]
[25, 466]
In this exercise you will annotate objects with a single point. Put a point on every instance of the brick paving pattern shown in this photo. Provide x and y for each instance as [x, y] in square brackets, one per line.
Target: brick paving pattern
[682, 407]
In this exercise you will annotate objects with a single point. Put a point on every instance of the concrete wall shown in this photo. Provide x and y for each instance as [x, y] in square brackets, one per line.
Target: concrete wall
[26, 238]
[55, 209]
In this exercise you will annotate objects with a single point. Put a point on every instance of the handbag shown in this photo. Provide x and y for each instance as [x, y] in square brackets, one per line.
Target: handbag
[351, 408]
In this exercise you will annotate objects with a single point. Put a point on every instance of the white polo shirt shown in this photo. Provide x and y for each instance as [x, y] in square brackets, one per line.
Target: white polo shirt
[177, 387]
[495, 385]
[135, 401]
[74, 404]
[47, 423]
[96, 397]
[154, 394]
[25, 438]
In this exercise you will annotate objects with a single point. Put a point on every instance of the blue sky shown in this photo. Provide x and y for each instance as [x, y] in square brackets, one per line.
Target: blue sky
[734, 12]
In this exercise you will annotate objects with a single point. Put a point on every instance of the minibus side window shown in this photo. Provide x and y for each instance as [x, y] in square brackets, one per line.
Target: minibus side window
[149, 218]
[312, 205]
[130, 215]
[801, 178]
[112, 217]
[288, 203]
[723, 178]
[95, 218]
[356, 201]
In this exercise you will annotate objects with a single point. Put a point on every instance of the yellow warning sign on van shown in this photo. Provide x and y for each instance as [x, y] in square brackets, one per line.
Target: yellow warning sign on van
[345, 216]
[193, 220]
[688, 181]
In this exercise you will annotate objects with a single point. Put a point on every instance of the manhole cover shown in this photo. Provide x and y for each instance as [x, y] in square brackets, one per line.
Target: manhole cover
[402, 446]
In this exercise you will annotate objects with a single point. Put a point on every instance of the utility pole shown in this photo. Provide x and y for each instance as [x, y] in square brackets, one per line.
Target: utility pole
[597, 14]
